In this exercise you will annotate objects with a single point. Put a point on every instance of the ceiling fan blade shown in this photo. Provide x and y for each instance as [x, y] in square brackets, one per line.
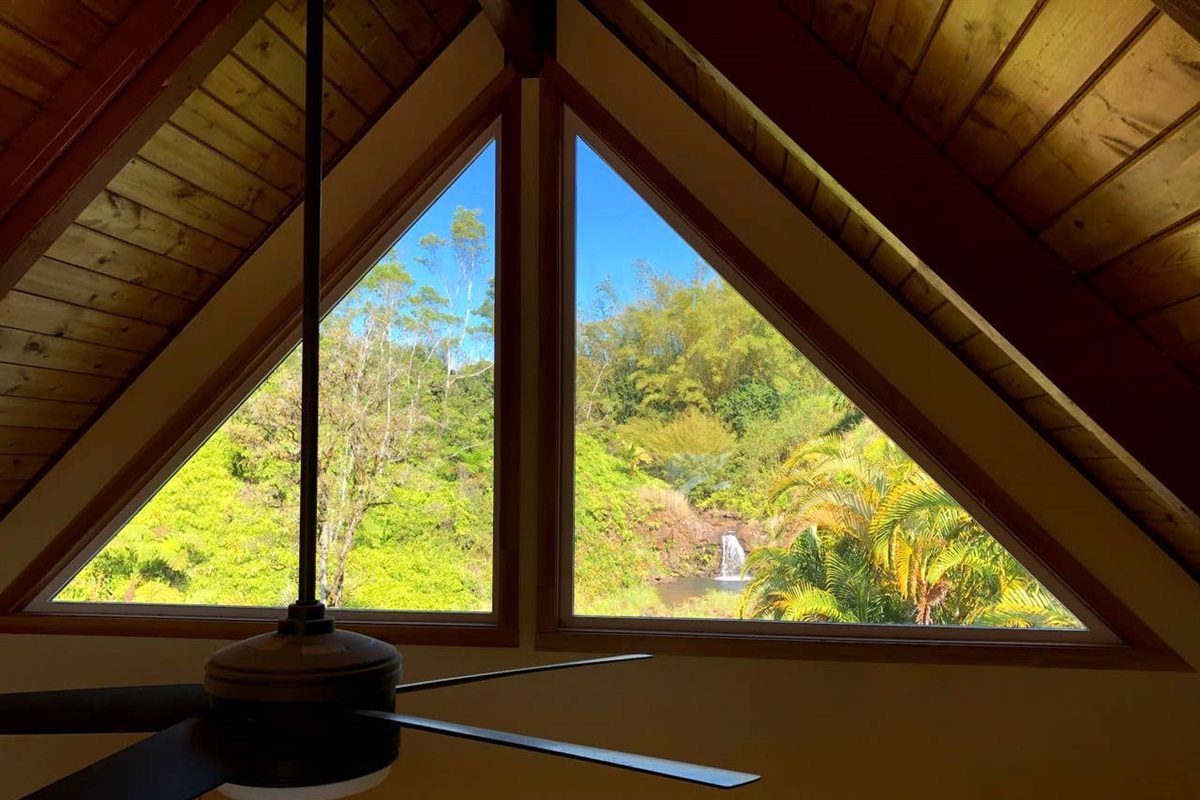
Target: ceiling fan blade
[180, 763]
[118, 709]
[680, 770]
[504, 673]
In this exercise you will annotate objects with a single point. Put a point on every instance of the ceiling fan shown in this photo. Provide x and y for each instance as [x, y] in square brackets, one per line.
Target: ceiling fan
[306, 712]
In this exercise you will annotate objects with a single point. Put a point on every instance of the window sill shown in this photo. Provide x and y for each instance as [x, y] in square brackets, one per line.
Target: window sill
[885, 650]
[471, 632]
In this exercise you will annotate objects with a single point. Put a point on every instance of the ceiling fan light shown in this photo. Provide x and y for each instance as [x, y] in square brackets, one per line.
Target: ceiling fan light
[324, 791]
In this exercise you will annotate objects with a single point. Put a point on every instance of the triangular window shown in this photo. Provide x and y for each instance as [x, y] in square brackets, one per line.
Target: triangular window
[718, 474]
[407, 446]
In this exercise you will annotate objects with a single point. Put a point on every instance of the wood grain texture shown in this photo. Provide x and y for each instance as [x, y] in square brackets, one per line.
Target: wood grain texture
[57, 25]
[91, 249]
[1014, 383]
[29, 69]
[1153, 84]
[982, 353]
[374, 38]
[1164, 271]
[29, 413]
[78, 323]
[972, 37]
[158, 190]
[951, 325]
[712, 98]
[161, 54]
[889, 265]
[413, 25]
[83, 287]
[741, 127]
[859, 237]
[21, 467]
[829, 210]
[233, 84]
[918, 295]
[18, 111]
[36, 350]
[449, 15]
[267, 53]
[50, 384]
[33, 441]
[841, 25]
[1080, 442]
[344, 66]
[1153, 192]
[186, 157]
[1185, 12]
[1083, 66]
[898, 33]
[1046, 413]
[204, 118]
[1068, 41]
[1111, 473]
[799, 180]
[1177, 329]
[769, 153]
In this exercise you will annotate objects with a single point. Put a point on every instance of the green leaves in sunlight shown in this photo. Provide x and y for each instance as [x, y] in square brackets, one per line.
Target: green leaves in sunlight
[405, 491]
[695, 418]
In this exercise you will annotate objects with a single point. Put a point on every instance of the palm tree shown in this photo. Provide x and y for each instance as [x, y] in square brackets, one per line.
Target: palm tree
[819, 577]
[882, 542]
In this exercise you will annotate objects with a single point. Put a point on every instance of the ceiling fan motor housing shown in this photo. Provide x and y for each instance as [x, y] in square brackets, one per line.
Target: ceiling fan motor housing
[285, 696]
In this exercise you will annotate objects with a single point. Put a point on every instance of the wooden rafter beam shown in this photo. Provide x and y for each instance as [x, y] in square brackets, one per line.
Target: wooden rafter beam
[1028, 296]
[124, 92]
[525, 28]
[1185, 12]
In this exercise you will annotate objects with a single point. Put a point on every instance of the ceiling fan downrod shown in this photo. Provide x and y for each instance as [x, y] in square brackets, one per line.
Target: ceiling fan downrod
[297, 683]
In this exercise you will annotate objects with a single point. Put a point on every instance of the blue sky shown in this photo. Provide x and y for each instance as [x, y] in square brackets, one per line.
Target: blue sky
[614, 226]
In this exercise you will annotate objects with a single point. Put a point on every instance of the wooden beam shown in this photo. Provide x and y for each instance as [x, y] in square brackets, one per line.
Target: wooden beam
[1048, 317]
[1184, 12]
[128, 88]
[525, 28]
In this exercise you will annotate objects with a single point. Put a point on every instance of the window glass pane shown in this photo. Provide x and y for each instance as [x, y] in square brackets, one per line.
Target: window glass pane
[406, 432]
[719, 475]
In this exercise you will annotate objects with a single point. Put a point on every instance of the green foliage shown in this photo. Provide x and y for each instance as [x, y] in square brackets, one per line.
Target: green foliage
[611, 554]
[406, 451]
[880, 542]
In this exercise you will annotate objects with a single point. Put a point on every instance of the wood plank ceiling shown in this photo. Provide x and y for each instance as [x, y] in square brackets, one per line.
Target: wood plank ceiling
[181, 216]
[1080, 118]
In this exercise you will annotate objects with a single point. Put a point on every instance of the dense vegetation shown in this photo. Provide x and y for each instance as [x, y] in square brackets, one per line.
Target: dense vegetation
[405, 491]
[694, 418]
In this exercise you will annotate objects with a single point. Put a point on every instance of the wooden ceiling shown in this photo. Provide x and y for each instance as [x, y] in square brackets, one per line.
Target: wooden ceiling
[1080, 118]
[181, 215]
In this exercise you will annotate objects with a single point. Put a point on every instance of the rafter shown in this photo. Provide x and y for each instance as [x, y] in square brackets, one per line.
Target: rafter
[1185, 12]
[1000, 274]
[128, 88]
[525, 28]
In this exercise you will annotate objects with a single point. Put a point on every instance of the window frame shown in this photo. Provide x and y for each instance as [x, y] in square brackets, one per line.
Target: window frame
[492, 117]
[1114, 637]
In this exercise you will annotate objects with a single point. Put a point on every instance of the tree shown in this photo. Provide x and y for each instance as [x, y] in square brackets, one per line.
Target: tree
[880, 541]
[401, 392]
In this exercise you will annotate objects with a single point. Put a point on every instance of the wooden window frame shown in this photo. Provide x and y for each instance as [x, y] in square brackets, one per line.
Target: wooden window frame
[26, 607]
[1115, 637]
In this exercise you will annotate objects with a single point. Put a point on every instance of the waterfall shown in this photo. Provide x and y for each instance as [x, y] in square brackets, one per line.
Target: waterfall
[733, 559]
